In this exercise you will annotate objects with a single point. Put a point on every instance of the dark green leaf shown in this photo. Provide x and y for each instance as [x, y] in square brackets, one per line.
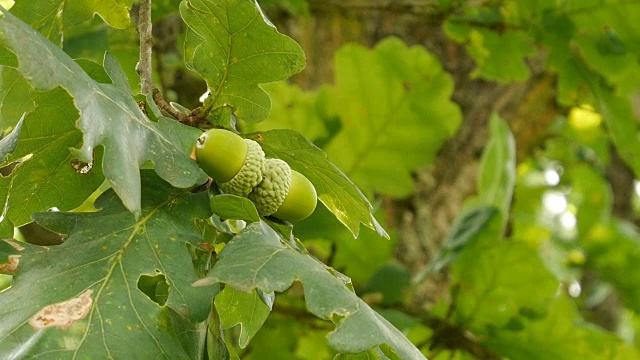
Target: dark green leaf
[107, 111]
[235, 48]
[241, 308]
[97, 270]
[45, 177]
[257, 258]
[10, 253]
[216, 346]
[15, 93]
[392, 281]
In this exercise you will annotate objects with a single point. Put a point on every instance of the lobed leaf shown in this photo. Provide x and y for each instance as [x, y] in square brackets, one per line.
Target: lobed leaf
[97, 269]
[43, 176]
[257, 259]
[244, 309]
[496, 280]
[500, 56]
[53, 18]
[109, 116]
[234, 48]
[395, 107]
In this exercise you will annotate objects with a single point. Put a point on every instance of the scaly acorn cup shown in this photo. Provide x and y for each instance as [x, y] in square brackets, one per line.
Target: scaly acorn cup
[284, 193]
[236, 164]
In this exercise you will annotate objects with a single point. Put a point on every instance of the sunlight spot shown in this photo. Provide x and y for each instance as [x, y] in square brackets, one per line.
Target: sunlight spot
[574, 289]
[7, 4]
[551, 177]
[555, 202]
[636, 185]
[568, 220]
[584, 118]
[204, 96]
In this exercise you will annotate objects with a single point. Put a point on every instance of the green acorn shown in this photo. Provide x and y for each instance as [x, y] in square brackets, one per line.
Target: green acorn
[284, 193]
[236, 164]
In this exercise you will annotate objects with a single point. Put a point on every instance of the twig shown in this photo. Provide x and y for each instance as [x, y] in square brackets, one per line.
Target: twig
[146, 45]
[162, 103]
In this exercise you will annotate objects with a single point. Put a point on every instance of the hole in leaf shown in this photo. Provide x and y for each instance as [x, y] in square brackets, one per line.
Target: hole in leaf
[155, 287]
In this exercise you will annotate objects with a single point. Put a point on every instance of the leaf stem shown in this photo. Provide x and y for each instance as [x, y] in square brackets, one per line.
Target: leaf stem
[146, 46]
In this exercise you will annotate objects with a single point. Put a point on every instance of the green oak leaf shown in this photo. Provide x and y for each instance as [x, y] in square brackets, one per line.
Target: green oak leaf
[618, 114]
[235, 48]
[109, 115]
[44, 176]
[295, 109]
[395, 107]
[100, 263]
[496, 279]
[244, 309]
[10, 253]
[234, 207]
[499, 56]
[15, 96]
[53, 18]
[562, 334]
[257, 259]
[334, 188]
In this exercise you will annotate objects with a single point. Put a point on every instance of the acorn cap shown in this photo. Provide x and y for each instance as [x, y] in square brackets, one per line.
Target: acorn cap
[271, 192]
[250, 174]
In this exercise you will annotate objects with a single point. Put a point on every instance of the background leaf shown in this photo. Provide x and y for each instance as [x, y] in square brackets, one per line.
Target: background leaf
[235, 48]
[119, 251]
[396, 112]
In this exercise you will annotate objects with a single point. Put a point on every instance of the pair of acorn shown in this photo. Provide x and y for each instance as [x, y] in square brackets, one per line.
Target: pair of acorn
[239, 167]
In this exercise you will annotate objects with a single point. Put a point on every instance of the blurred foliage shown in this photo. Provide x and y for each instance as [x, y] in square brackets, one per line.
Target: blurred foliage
[531, 257]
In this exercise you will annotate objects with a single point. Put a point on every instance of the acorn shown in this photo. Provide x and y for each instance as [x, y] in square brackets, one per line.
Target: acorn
[284, 193]
[236, 164]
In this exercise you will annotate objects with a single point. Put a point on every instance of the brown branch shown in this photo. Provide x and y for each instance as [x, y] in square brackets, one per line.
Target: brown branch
[165, 106]
[146, 44]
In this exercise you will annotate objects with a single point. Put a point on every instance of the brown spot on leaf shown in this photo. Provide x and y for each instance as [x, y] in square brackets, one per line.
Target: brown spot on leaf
[15, 245]
[81, 167]
[11, 265]
[63, 314]
[206, 247]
